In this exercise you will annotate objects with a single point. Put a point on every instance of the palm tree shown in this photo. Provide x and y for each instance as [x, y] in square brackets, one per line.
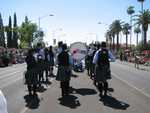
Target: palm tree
[125, 30]
[112, 34]
[130, 12]
[141, 1]
[137, 30]
[109, 39]
[116, 27]
[113, 39]
[143, 19]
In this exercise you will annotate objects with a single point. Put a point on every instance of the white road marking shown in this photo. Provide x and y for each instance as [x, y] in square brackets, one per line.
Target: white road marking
[12, 67]
[125, 81]
[7, 75]
[9, 71]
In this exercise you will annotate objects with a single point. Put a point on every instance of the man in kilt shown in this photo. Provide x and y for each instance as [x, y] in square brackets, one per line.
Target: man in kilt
[40, 58]
[102, 68]
[64, 70]
[51, 60]
[46, 64]
[31, 74]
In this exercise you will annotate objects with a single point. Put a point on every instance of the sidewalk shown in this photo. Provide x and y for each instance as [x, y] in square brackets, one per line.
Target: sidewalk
[141, 67]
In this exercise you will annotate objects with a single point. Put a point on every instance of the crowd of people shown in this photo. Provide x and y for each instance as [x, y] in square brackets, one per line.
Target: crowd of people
[41, 61]
[11, 56]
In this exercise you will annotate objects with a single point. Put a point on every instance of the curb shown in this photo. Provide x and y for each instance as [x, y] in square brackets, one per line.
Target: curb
[141, 67]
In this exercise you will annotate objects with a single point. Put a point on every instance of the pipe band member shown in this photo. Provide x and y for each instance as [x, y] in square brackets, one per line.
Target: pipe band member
[64, 70]
[102, 68]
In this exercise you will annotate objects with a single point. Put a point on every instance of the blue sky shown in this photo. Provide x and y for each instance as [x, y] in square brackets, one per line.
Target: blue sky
[73, 20]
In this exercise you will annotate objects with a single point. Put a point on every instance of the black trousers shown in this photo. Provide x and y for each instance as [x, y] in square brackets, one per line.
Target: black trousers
[103, 87]
[64, 87]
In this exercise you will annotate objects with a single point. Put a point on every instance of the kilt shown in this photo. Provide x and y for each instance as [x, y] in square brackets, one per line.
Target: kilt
[46, 65]
[41, 66]
[102, 73]
[31, 77]
[63, 73]
[51, 62]
[87, 64]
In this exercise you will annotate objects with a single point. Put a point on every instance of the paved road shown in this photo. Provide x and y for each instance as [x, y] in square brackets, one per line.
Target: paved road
[136, 78]
[127, 97]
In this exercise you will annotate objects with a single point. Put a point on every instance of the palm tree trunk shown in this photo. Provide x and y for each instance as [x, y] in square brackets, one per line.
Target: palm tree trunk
[145, 38]
[117, 42]
[126, 41]
[137, 39]
[142, 6]
[110, 44]
[130, 31]
[113, 43]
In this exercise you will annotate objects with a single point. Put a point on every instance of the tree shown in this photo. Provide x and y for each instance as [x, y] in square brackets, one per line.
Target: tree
[109, 38]
[130, 12]
[2, 36]
[137, 30]
[125, 30]
[27, 33]
[9, 33]
[141, 1]
[116, 27]
[143, 19]
[113, 39]
[140, 46]
[15, 33]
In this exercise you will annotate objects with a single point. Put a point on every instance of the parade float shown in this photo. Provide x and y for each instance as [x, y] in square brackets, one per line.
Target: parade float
[78, 52]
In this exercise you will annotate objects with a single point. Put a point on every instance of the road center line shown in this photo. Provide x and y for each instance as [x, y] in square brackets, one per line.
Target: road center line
[7, 75]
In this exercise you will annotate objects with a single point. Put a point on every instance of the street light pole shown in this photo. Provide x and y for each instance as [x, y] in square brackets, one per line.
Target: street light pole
[39, 19]
[39, 22]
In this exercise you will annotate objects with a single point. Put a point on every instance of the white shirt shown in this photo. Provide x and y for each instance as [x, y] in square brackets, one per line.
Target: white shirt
[110, 55]
[41, 53]
[3, 103]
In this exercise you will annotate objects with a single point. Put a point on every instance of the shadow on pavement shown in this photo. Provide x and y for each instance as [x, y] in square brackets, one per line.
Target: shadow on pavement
[74, 75]
[32, 101]
[69, 101]
[110, 89]
[114, 103]
[83, 91]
